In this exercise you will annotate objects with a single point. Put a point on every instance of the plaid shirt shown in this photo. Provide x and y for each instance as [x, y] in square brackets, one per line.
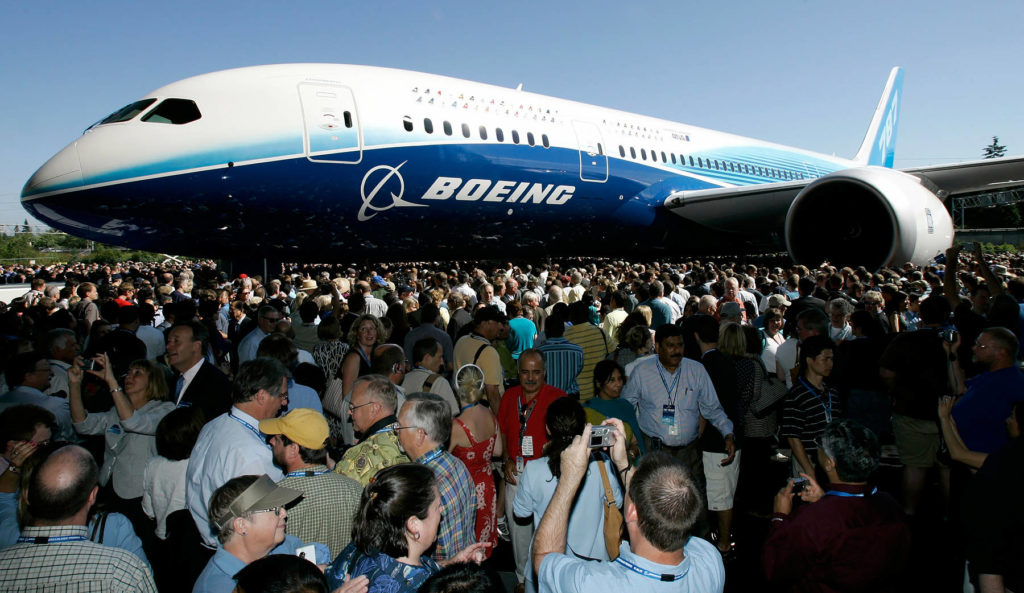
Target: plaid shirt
[458, 503]
[72, 566]
[327, 508]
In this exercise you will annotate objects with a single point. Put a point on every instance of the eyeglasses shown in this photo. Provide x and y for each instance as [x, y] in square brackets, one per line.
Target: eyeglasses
[275, 510]
[398, 428]
[352, 408]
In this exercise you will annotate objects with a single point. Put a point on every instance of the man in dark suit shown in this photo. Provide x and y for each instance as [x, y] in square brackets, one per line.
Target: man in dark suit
[239, 327]
[806, 301]
[197, 383]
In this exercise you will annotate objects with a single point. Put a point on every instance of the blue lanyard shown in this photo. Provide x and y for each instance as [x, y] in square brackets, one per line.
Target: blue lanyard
[675, 381]
[306, 473]
[850, 494]
[464, 408]
[667, 578]
[27, 539]
[252, 429]
[366, 359]
[431, 456]
[828, 408]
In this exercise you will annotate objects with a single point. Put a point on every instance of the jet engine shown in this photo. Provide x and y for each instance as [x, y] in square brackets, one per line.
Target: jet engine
[870, 216]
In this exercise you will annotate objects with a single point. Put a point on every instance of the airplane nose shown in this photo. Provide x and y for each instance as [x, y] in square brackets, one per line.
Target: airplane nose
[62, 171]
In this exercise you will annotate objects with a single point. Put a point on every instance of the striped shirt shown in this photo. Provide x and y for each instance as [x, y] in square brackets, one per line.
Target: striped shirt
[71, 565]
[596, 346]
[458, 503]
[806, 411]
[564, 362]
[650, 387]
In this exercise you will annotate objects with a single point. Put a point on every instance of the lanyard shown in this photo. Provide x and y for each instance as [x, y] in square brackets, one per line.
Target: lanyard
[366, 359]
[431, 456]
[850, 494]
[252, 429]
[26, 539]
[525, 418]
[464, 408]
[675, 381]
[828, 408]
[306, 473]
[667, 578]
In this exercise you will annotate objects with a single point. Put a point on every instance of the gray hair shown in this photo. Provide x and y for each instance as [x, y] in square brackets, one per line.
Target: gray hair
[58, 338]
[842, 304]
[381, 389]
[431, 413]
[255, 375]
[853, 447]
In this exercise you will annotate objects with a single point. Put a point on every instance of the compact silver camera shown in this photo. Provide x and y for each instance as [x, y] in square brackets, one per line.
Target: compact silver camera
[600, 436]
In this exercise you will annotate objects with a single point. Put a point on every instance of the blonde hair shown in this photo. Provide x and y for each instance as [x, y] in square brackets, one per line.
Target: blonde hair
[732, 340]
[469, 383]
[647, 313]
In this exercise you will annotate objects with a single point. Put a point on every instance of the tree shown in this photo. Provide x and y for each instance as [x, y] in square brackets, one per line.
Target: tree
[994, 150]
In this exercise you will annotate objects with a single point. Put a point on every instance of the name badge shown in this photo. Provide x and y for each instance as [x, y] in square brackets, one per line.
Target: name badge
[527, 446]
[668, 418]
[520, 464]
[114, 429]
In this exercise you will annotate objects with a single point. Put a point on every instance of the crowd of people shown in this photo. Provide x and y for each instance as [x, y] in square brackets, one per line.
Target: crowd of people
[173, 428]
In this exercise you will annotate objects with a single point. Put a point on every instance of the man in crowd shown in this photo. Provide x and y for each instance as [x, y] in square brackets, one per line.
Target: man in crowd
[267, 319]
[476, 348]
[54, 552]
[372, 409]
[428, 360]
[329, 500]
[592, 340]
[28, 376]
[429, 314]
[661, 508]
[981, 412]
[671, 394]
[563, 360]
[850, 537]
[198, 383]
[61, 350]
[425, 425]
[521, 419]
[231, 444]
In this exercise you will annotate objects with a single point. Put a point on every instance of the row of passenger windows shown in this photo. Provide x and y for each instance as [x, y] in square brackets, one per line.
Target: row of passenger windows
[718, 165]
[499, 134]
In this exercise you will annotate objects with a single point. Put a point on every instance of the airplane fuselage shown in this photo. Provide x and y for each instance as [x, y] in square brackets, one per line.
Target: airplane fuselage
[317, 162]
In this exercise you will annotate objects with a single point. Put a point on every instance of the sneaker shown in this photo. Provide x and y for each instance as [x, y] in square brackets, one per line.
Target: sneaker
[503, 532]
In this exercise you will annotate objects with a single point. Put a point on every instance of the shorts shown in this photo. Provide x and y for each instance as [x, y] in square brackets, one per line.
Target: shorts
[917, 441]
[721, 489]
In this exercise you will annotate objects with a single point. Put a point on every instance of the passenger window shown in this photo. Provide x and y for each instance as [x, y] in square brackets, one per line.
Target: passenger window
[173, 111]
[544, 140]
[632, 152]
[447, 128]
[515, 136]
[691, 161]
[348, 119]
[600, 149]
[529, 138]
[428, 126]
[700, 162]
[499, 135]
[622, 151]
[483, 132]
[465, 130]
[673, 155]
[643, 153]
[664, 158]
[407, 123]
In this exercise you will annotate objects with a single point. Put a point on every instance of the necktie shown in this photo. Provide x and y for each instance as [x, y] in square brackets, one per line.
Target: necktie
[177, 388]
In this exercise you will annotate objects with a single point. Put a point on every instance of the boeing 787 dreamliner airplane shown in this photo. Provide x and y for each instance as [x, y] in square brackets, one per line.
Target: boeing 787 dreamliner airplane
[322, 162]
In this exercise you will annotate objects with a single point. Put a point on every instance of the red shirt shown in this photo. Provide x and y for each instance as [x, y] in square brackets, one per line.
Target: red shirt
[508, 419]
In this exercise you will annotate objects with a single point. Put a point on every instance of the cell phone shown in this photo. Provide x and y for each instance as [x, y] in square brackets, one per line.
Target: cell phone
[600, 436]
[88, 364]
[800, 484]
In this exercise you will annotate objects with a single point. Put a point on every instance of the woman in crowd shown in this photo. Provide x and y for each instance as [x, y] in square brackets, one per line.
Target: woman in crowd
[773, 338]
[608, 381]
[394, 527]
[839, 311]
[585, 537]
[476, 440]
[400, 322]
[636, 341]
[330, 349]
[366, 333]
[129, 428]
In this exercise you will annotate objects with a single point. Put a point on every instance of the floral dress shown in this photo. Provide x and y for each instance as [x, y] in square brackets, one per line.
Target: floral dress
[386, 574]
[477, 458]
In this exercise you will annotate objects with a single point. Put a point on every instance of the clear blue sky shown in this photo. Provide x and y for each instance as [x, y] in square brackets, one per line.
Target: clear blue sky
[802, 73]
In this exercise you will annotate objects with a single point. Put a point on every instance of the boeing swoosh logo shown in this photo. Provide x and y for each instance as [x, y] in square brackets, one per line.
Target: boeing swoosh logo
[389, 173]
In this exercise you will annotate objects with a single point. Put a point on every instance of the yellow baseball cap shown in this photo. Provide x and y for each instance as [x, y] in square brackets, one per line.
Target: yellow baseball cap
[304, 426]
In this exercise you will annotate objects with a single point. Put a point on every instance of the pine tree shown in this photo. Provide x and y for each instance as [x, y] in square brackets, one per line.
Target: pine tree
[994, 150]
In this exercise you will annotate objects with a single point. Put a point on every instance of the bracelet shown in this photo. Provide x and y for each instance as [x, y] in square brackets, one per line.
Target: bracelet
[116, 389]
[13, 469]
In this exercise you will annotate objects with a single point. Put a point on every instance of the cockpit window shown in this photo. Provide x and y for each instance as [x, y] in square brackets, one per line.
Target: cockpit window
[173, 111]
[127, 112]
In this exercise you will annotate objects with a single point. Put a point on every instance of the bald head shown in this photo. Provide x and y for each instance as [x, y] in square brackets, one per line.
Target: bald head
[62, 486]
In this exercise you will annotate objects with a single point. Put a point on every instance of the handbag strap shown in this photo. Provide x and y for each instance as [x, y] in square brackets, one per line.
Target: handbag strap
[608, 496]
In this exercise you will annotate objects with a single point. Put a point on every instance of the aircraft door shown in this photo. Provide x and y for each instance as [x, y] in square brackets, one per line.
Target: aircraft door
[593, 157]
[331, 123]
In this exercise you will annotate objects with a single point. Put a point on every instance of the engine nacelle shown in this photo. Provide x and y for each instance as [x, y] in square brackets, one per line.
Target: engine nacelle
[870, 216]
